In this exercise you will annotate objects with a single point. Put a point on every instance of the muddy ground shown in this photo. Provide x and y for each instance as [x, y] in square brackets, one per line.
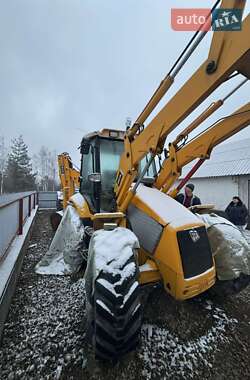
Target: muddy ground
[44, 335]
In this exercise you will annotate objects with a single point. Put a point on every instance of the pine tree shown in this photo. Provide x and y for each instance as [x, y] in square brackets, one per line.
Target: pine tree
[19, 169]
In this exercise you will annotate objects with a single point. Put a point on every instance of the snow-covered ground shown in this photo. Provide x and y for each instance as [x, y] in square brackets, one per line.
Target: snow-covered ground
[45, 333]
[247, 235]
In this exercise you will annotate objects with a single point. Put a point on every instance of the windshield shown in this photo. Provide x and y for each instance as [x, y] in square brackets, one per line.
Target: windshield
[87, 168]
[111, 151]
[104, 157]
[152, 171]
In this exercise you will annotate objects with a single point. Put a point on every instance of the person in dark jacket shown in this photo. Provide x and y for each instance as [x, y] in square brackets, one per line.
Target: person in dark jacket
[188, 199]
[237, 212]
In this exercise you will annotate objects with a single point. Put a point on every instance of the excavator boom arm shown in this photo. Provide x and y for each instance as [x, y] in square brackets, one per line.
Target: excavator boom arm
[69, 177]
[230, 52]
[202, 145]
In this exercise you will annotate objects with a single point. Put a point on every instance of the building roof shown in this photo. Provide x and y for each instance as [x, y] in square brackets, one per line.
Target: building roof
[230, 159]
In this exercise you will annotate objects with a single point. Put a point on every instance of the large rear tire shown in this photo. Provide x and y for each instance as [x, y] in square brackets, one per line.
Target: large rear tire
[116, 311]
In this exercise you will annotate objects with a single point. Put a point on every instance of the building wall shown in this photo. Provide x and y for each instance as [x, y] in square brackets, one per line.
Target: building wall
[218, 190]
[244, 186]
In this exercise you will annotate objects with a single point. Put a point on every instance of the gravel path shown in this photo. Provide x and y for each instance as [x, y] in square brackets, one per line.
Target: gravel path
[44, 336]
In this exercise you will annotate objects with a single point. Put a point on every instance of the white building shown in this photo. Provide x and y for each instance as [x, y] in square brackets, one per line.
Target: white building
[225, 174]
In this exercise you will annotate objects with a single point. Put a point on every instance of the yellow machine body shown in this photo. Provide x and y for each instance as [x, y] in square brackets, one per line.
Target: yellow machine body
[170, 235]
[157, 220]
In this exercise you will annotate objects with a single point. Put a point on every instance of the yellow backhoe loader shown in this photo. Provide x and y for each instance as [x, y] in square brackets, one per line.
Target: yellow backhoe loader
[135, 232]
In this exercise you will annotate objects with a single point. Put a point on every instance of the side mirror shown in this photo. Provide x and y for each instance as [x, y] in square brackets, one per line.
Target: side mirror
[85, 145]
[95, 177]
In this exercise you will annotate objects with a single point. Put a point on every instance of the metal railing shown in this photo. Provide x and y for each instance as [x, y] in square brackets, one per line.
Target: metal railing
[13, 215]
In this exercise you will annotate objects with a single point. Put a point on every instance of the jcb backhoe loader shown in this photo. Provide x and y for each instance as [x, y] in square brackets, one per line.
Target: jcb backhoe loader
[135, 233]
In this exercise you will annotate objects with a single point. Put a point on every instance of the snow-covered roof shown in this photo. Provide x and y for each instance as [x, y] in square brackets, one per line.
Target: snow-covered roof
[226, 160]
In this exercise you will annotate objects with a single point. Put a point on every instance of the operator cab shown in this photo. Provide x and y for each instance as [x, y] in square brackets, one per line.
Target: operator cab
[101, 152]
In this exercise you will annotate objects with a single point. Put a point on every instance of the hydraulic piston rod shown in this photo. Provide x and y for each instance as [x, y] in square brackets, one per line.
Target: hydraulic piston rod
[208, 112]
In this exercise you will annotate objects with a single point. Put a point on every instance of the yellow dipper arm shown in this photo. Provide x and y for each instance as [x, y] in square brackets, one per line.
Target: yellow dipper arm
[202, 145]
[69, 177]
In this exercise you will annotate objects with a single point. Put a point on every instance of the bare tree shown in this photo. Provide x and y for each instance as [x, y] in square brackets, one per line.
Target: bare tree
[45, 164]
[52, 167]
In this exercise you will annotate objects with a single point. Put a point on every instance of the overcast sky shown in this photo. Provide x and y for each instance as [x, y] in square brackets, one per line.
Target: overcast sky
[68, 67]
